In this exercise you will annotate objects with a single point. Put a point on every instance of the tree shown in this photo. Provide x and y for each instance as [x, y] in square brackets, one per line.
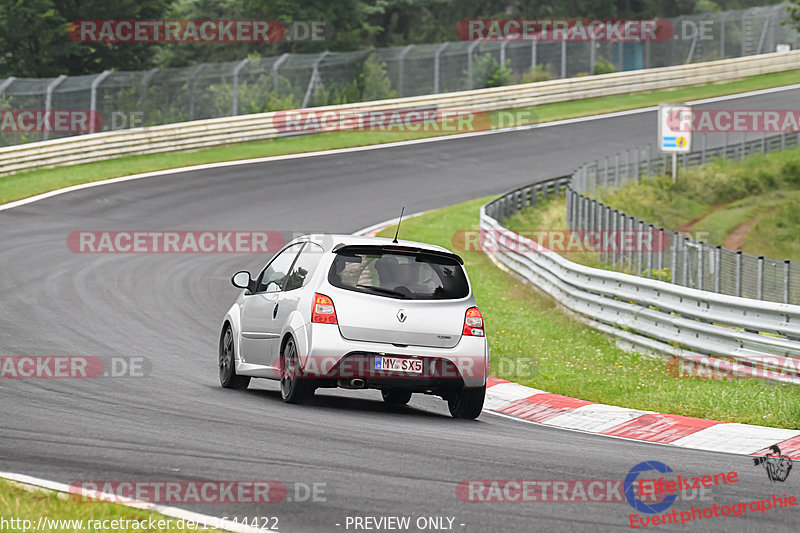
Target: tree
[34, 41]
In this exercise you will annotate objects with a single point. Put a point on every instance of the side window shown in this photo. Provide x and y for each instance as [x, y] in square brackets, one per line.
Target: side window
[304, 267]
[272, 278]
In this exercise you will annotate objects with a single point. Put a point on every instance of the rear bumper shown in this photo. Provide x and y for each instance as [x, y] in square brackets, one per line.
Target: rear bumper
[331, 357]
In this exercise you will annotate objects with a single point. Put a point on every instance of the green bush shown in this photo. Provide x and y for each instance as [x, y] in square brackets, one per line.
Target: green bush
[603, 66]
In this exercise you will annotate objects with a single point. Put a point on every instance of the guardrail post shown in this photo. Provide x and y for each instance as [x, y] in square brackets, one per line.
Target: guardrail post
[717, 269]
[93, 97]
[275, 66]
[787, 274]
[401, 70]
[738, 273]
[660, 256]
[192, 77]
[239, 66]
[760, 278]
[48, 102]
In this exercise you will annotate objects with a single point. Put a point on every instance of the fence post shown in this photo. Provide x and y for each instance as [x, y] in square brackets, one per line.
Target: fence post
[275, 66]
[614, 235]
[674, 237]
[436, 63]
[563, 59]
[93, 98]
[192, 77]
[717, 269]
[401, 68]
[725, 146]
[616, 170]
[649, 158]
[607, 229]
[48, 101]
[313, 81]
[239, 66]
[145, 81]
[533, 56]
[469, 62]
[703, 152]
[760, 278]
[503, 47]
[700, 265]
[639, 250]
[739, 273]
[5, 84]
[660, 257]
[744, 146]
[787, 272]
[592, 53]
[685, 262]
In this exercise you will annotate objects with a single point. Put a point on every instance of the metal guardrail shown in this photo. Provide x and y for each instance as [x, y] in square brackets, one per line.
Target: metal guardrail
[734, 335]
[215, 132]
[690, 262]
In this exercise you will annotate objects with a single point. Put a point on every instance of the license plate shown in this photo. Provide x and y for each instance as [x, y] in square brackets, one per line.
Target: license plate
[398, 364]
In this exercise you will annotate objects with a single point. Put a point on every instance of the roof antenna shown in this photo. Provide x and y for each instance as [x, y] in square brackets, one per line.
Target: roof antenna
[399, 220]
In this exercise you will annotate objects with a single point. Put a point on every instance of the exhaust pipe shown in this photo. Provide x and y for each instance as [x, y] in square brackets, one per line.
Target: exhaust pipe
[357, 383]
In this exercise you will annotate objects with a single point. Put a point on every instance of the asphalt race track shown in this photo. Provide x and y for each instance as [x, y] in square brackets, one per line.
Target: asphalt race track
[178, 424]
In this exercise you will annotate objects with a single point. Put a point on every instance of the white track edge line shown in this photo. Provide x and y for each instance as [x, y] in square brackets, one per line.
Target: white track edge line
[173, 512]
[338, 151]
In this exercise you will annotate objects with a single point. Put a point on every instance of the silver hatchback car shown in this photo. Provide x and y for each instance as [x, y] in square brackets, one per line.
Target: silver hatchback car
[359, 312]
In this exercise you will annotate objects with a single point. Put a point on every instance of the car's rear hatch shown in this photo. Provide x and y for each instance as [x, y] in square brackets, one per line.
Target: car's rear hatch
[403, 296]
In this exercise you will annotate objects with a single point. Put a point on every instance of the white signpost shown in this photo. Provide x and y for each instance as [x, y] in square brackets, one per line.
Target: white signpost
[674, 132]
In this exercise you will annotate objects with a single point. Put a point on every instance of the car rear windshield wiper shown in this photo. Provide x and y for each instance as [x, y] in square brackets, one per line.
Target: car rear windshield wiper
[381, 290]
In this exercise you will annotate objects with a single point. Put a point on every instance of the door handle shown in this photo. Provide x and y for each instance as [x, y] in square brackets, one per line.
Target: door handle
[275, 312]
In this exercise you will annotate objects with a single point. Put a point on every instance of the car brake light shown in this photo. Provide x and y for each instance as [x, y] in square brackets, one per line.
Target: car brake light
[473, 323]
[323, 311]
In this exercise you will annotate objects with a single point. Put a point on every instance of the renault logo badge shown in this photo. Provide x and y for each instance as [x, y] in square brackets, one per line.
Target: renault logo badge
[401, 315]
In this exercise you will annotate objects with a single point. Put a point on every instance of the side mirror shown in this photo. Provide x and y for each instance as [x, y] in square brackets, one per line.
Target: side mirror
[241, 280]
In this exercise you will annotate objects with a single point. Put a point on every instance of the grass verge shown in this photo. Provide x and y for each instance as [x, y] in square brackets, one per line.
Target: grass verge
[20, 505]
[38, 181]
[712, 201]
[535, 344]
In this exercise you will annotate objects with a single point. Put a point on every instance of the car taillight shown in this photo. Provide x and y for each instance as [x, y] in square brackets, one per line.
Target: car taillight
[473, 323]
[323, 311]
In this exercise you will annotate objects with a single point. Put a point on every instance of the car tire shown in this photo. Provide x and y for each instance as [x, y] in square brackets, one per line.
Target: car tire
[396, 397]
[467, 403]
[227, 363]
[294, 388]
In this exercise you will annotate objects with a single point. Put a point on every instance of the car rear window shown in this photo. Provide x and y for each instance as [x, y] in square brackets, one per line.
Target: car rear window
[403, 275]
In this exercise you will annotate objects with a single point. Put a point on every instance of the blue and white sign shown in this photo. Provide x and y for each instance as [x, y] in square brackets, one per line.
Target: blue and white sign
[674, 128]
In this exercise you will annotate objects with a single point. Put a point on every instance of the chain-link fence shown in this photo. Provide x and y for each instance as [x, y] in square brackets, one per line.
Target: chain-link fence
[669, 255]
[290, 81]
